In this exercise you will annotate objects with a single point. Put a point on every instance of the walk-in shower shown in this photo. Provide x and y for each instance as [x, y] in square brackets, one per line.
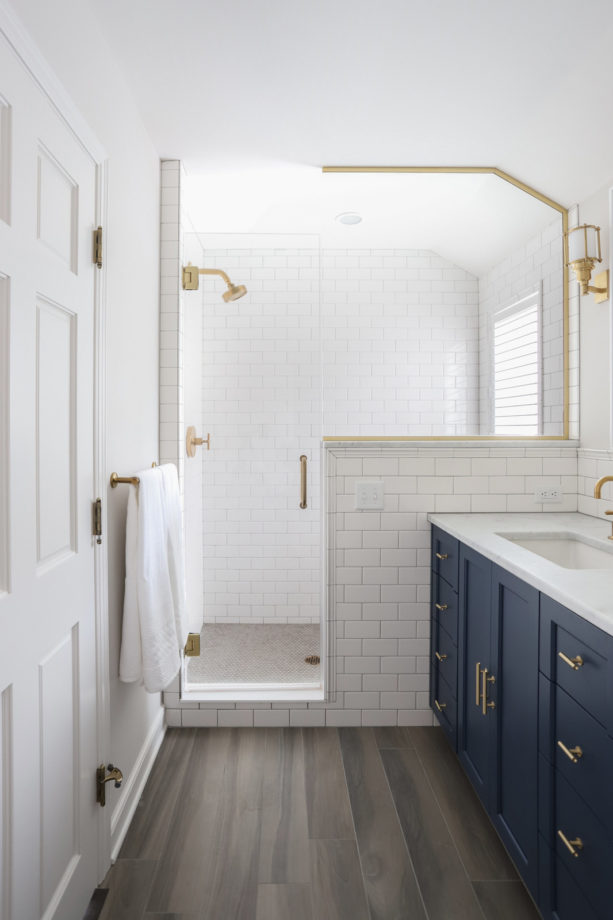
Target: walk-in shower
[252, 382]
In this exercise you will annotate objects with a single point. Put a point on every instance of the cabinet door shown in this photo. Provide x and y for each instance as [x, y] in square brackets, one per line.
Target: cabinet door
[474, 655]
[515, 634]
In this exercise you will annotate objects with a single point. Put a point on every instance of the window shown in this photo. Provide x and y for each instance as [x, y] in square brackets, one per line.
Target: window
[517, 368]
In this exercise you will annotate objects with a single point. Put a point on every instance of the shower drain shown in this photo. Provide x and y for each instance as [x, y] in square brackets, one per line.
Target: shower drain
[312, 659]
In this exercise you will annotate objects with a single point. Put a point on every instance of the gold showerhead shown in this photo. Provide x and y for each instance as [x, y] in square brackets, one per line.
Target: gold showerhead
[234, 292]
[191, 275]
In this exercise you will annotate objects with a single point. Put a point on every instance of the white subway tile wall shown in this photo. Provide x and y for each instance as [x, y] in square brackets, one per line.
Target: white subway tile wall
[592, 464]
[536, 264]
[171, 316]
[400, 344]
[261, 400]
[379, 573]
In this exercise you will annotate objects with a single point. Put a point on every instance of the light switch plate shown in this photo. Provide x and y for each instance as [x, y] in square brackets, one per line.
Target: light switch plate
[369, 495]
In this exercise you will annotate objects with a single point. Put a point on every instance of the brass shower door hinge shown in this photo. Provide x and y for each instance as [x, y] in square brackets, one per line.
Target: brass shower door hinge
[192, 646]
[97, 257]
[97, 520]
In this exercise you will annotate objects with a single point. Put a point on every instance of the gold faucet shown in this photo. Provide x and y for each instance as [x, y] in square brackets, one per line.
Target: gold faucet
[597, 491]
[600, 484]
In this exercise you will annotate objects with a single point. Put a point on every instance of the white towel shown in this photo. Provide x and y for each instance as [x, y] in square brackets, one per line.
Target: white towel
[154, 604]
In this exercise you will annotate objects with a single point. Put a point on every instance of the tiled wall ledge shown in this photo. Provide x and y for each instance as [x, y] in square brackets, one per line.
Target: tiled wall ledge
[379, 571]
[591, 465]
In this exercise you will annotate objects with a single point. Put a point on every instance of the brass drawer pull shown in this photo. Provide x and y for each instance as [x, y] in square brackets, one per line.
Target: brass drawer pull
[440, 657]
[485, 680]
[573, 846]
[440, 706]
[573, 753]
[442, 555]
[574, 663]
[477, 691]
[441, 607]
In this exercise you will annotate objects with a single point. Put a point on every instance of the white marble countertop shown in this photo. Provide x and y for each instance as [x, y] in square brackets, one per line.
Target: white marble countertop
[588, 592]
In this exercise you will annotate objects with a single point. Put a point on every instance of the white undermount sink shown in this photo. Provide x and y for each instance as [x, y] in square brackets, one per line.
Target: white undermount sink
[569, 550]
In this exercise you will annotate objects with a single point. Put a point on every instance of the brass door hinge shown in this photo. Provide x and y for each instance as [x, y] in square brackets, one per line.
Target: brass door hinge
[98, 247]
[192, 646]
[97, 520]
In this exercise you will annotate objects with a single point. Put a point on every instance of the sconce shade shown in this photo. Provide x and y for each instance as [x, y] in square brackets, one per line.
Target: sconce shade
[583, 248]
[584, 243]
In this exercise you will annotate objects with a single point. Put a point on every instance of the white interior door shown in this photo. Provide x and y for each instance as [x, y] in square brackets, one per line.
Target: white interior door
[48, 856]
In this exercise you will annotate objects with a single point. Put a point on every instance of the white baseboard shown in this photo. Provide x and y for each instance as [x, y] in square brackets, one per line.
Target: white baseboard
[135, 783]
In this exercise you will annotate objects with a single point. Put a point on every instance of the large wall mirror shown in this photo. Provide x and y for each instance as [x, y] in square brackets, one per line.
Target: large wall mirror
[443, 297]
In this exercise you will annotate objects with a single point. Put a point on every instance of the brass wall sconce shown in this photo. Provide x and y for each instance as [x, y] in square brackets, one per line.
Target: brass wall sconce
[584, 252]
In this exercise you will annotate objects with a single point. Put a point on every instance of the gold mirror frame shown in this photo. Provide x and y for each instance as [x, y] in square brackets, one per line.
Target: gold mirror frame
[493, 171]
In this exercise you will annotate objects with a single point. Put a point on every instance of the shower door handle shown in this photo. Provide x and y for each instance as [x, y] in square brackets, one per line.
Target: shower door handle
[303, 481]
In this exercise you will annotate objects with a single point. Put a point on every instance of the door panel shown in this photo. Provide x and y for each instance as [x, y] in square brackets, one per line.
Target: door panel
[48, 652]
[515, 630]
[474, 732]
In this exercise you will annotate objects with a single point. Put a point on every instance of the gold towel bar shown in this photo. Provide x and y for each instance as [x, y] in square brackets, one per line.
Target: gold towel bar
[129, 480]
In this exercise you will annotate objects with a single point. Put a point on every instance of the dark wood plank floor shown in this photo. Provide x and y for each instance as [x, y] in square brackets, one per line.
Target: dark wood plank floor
[311, 824]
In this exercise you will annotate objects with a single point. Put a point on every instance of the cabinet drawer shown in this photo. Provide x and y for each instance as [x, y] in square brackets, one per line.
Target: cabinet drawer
[560, 897]
[577, 656]
[588, 770]
[591, 867]
[446, 710]
[445, 553]
[444, 606]
[447, 663]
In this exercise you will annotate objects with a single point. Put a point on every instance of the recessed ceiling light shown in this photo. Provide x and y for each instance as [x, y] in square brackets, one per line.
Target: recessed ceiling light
[349, 218]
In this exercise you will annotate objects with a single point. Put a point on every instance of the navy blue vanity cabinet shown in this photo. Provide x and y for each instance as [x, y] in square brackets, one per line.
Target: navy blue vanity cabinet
[444, 632]
[514, 664]
[498, 702]
[576, 755]
[475, 737]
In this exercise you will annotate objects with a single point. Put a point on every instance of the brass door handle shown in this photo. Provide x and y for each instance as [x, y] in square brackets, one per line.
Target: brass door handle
[440, 657]
[441, 607]
[573, 846]
[442, 555]
[303, 481]
[485, 680]
[440, 706]
[573, 754]
[477, 690]
[102, 778]
[574, 663]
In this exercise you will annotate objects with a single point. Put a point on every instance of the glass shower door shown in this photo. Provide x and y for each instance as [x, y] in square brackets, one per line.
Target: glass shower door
[261, 403]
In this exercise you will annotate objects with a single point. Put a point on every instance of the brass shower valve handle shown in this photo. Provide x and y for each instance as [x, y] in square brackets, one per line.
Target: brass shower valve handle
[192, 441]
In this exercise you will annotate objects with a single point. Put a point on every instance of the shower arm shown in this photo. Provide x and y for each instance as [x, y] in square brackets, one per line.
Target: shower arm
[191, 272]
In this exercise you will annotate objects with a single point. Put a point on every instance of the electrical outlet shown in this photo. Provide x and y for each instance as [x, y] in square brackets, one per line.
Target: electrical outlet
[547, 495]
[369, 495]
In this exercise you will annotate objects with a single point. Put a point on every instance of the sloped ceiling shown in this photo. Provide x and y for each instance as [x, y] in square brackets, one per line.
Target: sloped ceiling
[239, 85]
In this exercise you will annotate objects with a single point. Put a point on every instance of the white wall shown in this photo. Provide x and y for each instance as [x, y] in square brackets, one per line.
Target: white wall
[595, 332]
[68, 36]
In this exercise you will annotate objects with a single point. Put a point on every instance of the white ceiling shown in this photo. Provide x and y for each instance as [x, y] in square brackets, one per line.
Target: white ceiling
[247, 88]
